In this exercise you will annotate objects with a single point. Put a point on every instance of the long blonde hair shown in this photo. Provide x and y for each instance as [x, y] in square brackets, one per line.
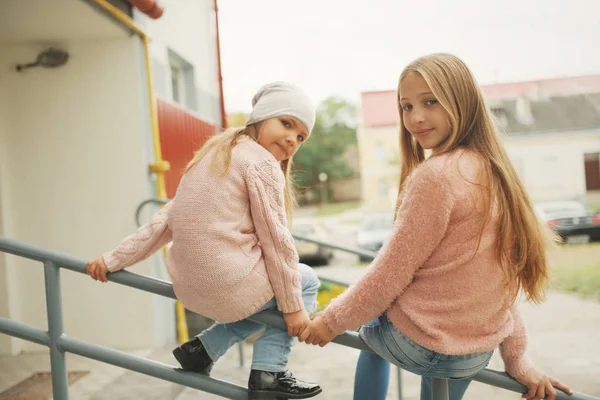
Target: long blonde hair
[224, 142]
[522, 240]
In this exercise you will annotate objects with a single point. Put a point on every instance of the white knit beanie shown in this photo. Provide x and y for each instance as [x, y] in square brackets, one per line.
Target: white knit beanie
[280, 99]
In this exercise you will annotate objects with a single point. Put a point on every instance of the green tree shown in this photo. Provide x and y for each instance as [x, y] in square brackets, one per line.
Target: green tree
[334, 132]
[237, 119]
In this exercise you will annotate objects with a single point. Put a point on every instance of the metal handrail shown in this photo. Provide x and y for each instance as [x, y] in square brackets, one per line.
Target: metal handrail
[487, 376]
[359, 252]
[60, 343]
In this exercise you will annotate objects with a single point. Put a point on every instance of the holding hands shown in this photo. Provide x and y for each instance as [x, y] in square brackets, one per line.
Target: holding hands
[309, 331]
[317, 332]
[296, 322]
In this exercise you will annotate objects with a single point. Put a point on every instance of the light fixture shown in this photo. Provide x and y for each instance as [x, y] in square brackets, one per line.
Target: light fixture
[50, 58]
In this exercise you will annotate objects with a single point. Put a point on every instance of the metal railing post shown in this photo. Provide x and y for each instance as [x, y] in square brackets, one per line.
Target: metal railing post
[439, 389]
[60, 384]
[399, 377]
[241, 354]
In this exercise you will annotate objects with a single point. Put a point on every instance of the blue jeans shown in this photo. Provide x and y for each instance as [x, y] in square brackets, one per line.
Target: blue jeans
[373, 370]
[272, 349]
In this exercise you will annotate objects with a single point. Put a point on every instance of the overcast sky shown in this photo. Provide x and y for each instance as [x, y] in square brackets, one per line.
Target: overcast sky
[344, 47]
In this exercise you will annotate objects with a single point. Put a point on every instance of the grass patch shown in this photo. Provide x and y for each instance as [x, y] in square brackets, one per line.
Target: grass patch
[337, 208]
[581, 279]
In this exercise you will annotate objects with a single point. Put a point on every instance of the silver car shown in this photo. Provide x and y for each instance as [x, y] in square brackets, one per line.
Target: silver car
[374, 230]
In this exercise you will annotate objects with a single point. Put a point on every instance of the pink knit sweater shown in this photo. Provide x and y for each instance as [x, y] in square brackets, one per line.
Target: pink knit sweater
[232, 251]
[428, 278]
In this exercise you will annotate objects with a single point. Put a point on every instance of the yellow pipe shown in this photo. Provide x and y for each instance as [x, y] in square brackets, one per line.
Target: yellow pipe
[160, 166]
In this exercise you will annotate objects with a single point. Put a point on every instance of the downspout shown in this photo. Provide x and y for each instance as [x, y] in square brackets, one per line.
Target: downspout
[160, 166]
[223, 115]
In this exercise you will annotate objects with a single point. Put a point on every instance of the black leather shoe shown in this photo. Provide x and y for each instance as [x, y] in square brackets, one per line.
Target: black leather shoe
[279, 385]
[193, 357]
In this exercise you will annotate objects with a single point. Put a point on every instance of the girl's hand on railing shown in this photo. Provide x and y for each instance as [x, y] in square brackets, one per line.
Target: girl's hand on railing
[97, 269]
[296, 322]
[317, 332]
[541, 386]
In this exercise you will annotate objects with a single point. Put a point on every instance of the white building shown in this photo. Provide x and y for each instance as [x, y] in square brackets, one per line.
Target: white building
[76, 142]
[553, 135]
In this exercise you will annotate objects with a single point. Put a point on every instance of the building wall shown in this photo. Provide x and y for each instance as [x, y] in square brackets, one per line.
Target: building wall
[552, 165]
[379, 167]
[346, 189]
[187, 30]
[73, 168]
[6, 271]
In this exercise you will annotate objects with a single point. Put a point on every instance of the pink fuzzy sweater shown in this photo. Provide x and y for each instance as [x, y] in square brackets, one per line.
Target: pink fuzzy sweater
[428, 278]
[232, 251]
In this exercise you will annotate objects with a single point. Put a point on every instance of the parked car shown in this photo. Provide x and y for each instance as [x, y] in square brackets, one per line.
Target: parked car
[307, 251]
[571, 220]
[374, 230]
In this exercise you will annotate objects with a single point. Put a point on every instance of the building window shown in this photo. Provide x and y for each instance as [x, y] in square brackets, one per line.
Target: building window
[177, 85]
[183, 85]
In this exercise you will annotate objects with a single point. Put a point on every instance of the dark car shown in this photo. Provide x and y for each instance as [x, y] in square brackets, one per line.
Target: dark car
[311, 253]
[571, 220]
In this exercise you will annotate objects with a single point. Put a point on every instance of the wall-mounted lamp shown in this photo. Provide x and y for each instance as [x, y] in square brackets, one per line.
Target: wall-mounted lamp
[50, 58]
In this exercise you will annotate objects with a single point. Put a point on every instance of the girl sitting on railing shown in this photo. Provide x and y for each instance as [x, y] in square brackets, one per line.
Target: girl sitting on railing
[232, 253]
[442, 293]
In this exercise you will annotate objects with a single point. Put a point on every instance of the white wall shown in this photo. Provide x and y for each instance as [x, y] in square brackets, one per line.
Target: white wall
[552, 165]
[188, 28]
[73, 168]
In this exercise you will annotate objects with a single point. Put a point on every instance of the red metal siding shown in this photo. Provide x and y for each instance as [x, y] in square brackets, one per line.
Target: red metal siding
[181, 134]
